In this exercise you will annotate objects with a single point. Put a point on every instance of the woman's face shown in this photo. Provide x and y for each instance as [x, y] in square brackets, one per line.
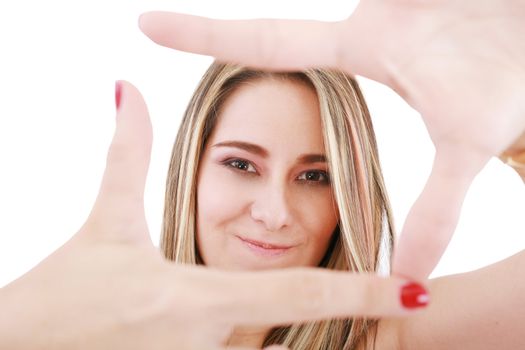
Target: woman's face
[264, 198]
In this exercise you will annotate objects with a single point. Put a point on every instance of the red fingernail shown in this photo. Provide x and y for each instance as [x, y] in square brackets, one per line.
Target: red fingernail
[413, 295]
[118, 89]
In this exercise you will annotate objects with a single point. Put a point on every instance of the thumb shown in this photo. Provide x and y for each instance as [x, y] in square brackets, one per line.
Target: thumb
[120, 202]
[432, 219]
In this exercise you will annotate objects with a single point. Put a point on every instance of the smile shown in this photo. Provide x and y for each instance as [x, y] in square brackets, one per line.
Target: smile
[264, 248]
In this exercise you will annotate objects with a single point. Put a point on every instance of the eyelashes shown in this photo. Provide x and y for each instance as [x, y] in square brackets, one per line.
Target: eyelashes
[245, 167]
[240, 165]
[315, 176]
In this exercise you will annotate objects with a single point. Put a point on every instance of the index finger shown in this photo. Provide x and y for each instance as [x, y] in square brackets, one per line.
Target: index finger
[262, 43]
[306, 294]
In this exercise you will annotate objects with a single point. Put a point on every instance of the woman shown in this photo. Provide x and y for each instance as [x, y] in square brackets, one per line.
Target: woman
[234, 161]
[274, 170]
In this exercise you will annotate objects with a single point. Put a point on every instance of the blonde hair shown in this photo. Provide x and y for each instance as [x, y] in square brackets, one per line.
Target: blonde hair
[362, 241]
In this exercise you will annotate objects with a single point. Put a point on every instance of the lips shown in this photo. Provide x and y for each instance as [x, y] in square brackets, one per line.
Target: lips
[265, 248]
[265, 245]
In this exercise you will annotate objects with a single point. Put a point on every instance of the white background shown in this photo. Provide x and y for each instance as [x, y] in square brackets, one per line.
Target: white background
[58, 64]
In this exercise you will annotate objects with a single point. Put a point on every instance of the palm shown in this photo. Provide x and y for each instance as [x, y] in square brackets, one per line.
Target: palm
[440, 63]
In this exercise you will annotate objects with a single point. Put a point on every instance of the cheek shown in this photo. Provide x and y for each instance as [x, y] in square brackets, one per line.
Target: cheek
[320, 220]
[210, 199]
[218, 199]
[319, 210]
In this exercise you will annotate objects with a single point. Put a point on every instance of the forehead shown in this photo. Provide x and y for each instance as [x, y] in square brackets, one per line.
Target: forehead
[274, 113]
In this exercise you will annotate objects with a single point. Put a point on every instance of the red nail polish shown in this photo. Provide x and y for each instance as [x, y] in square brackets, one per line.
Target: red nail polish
[118, 89]
[413, 295]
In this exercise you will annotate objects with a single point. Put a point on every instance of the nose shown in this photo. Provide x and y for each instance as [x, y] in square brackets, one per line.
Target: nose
[272, 208]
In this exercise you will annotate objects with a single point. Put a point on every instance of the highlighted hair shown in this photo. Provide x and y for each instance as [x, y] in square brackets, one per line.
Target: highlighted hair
[362, 241]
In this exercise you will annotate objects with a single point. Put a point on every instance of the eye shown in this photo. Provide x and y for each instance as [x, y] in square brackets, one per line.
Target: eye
[314, 176]
[241, 165]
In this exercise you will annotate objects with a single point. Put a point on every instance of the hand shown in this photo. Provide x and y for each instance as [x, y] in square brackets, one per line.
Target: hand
[109, 288]
[459, 63]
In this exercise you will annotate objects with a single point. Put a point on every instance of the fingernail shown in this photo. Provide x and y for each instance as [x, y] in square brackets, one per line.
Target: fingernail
[118, 89]
[413, 295]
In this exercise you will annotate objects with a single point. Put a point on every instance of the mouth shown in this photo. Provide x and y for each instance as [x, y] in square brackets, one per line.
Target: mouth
[265, 248]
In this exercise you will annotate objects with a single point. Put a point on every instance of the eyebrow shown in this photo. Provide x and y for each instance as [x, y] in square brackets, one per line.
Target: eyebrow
[311, 158]
[249, 147]
[262, 152]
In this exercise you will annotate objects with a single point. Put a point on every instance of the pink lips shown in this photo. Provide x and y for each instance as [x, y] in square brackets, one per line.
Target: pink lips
[263, 248]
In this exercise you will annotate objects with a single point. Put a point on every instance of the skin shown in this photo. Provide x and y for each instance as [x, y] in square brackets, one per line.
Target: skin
[268, 198]
[275, 197]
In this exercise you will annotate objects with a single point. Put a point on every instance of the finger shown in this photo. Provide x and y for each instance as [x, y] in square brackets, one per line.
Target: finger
[300, 295]
[433, 218]
[121, 196]
[263, 43]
